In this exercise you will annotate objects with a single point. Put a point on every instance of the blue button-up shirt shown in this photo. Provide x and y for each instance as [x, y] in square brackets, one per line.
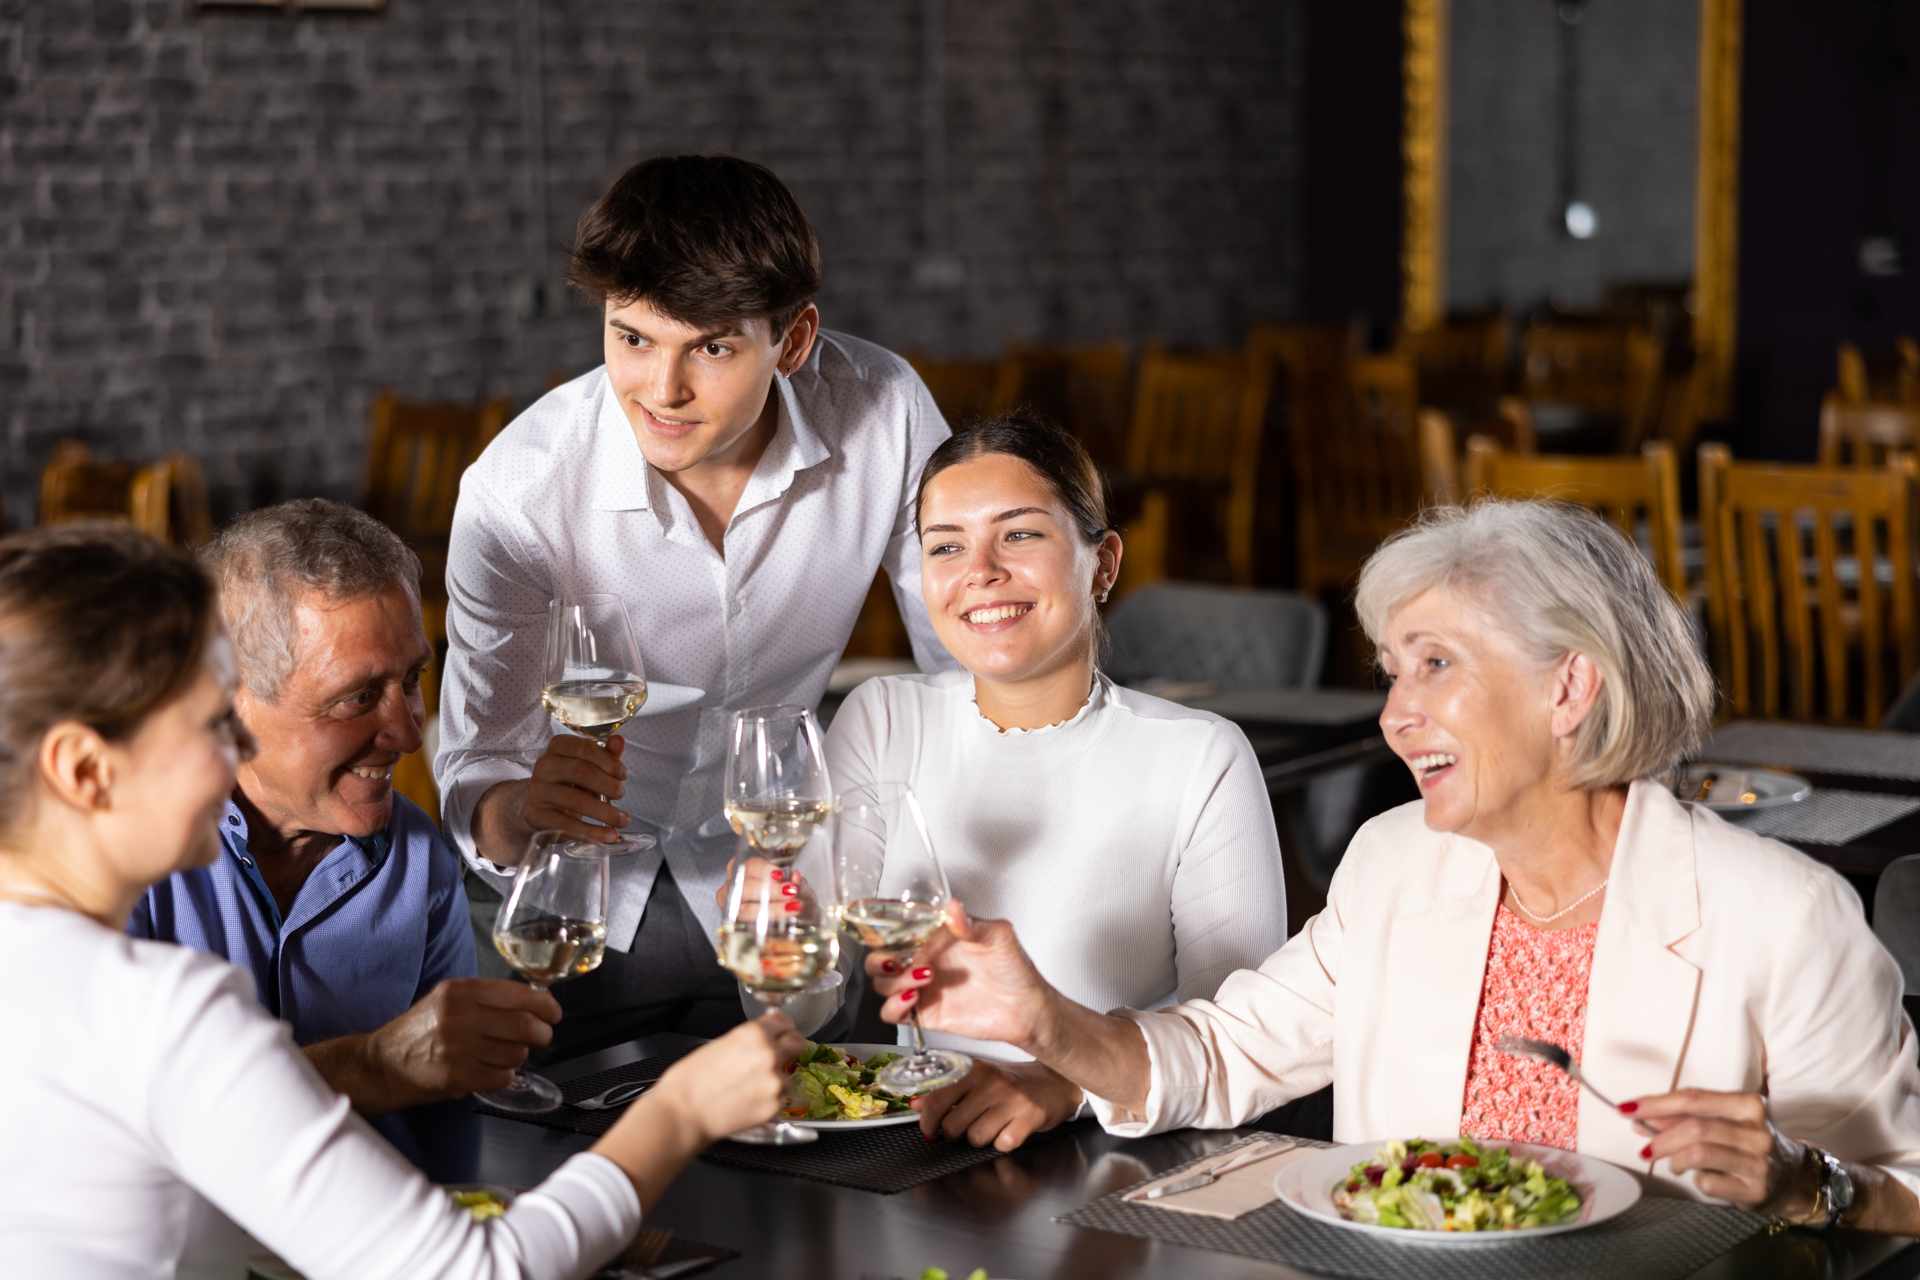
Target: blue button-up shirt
[377, 924]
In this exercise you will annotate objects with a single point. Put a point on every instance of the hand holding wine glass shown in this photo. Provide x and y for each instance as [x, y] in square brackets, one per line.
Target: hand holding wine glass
[776, 789]
[893, 895]
[777, 936]
[593, 684]
[552, 926]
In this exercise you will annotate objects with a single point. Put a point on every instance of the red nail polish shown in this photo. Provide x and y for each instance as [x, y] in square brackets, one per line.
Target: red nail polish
[928, 1137]
[908, 997]
[793, 906]
[1646, 1152]
[776, 874]
[888, 966]
[922, 974]
[1628, 1108]
[791, 890]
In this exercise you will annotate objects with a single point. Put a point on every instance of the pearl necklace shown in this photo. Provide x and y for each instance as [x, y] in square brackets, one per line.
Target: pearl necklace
[1515, 894]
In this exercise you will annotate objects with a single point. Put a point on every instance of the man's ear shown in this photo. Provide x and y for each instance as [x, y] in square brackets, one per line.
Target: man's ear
[1575, 691]
[76, 767]
[797, 343]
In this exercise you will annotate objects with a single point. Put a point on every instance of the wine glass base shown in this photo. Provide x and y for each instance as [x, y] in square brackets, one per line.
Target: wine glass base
[923, 1072]
[781, 1134]
[528, 1095]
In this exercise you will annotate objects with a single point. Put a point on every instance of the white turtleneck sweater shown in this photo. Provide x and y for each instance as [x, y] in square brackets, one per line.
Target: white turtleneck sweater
[1132, 846]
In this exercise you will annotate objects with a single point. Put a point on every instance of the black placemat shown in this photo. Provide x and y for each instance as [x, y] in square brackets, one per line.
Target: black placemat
[883, 1160]
[1659, 1238]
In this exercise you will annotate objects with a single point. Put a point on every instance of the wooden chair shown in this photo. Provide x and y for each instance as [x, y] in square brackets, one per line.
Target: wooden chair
[1628, 490]
[413, 773]
[1848, 608]
[1462, 362]
[1577, 364]
[1863, 433]
[1907, 375]
[1850, 374]
[166, 499]
[1197, 424]
[964, 389]
[415, 455]
[1087, 390]
[1357, 484]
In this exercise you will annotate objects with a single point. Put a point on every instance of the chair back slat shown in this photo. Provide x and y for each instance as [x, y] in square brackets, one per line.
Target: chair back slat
[415, 457]
[1628, 491]
[1087, 390]
[1864, 433]
[1815, 564]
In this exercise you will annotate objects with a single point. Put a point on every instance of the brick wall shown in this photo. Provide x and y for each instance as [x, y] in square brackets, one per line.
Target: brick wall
[1638, 69]
[222, 231]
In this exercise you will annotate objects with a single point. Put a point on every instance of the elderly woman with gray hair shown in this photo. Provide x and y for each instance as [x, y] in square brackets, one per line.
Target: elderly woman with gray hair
[1546, 884]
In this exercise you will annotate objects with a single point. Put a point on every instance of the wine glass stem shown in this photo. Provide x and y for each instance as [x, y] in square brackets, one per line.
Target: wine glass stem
[919, 1036]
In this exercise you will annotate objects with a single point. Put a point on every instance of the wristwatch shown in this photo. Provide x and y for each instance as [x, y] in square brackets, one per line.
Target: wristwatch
[1835, 1196]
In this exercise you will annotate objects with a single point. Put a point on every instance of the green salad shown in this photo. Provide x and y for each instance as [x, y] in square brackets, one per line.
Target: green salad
[830, 1084]
[1454, 1186]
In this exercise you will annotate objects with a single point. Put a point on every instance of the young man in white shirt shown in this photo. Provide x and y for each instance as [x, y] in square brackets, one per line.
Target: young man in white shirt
[733, 472]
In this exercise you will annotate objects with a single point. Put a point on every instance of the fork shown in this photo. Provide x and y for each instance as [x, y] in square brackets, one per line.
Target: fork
[1553, 1054]
[617, 1095]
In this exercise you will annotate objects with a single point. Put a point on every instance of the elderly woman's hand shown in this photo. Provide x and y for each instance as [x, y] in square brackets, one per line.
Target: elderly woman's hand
[1729, 1145]
[972, 979]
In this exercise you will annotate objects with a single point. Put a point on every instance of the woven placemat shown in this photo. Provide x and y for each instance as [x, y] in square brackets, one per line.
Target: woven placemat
[883, 1160]
[1830, 817]
[1658, 1239]
[1861, 752]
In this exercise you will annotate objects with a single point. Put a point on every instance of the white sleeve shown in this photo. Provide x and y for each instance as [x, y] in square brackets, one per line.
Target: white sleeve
[1229, 890]
[492, 726]
[243, 1118]
[854, 737]
[926, 429]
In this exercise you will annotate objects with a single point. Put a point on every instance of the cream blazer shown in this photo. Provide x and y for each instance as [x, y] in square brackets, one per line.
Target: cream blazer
[1724, 961]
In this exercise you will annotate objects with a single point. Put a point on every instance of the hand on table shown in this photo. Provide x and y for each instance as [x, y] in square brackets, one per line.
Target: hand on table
[466, 1035]
[1729, 1145]
[732, 1083]
[999, 1103]
[573, 780]
[972, 979]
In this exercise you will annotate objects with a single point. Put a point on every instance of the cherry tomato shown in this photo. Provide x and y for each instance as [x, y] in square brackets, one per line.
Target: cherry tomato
[1461, 1161]
[1429, 1160]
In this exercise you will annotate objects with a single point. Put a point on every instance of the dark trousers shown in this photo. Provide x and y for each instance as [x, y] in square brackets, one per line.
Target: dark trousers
[668, 981]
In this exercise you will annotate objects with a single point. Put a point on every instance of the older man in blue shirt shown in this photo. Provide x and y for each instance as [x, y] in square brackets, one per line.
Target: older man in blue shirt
[342, 899]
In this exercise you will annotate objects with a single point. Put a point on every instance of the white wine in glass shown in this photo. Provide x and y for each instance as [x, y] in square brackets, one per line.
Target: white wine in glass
[893, 896]
[777, 936]
[553, 925]
[776, 792]
[594, 681]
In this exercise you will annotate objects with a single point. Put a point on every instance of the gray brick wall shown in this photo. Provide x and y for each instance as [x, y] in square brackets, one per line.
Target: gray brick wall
[1639, 64]
[222, 231]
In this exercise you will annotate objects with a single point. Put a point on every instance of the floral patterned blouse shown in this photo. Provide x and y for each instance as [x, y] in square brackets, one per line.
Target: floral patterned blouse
[1536, 986]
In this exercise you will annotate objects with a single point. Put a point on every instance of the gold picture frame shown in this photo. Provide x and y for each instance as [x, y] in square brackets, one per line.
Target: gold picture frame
[1423, 233]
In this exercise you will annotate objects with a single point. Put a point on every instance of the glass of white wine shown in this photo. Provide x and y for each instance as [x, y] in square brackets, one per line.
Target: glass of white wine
[776, 787]
[553, 925]
[778, 937]
[893, 897]
[594, 680]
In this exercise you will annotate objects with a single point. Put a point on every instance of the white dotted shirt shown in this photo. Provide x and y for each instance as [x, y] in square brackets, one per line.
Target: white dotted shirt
[563, 504]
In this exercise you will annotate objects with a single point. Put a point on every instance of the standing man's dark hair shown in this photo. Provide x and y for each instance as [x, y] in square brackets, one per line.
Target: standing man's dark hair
[736, 475]
[704, 239]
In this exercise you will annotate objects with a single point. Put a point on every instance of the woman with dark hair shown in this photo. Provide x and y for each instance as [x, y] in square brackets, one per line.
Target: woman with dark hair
[1130, 837]
[146, 1092]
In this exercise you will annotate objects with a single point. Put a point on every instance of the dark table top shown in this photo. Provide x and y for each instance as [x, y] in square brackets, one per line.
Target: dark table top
[1001, 1215]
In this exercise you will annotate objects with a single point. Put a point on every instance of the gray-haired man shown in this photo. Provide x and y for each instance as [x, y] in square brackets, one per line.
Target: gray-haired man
[341, 898]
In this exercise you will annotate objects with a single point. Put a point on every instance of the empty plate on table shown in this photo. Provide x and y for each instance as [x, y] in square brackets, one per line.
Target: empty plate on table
[1735, 788]
[1307, 1183]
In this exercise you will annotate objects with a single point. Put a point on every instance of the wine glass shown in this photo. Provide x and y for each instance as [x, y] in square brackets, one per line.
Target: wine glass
[553, 925]
[776, 788]
[777, 936]
[893, 895]
[594, 680]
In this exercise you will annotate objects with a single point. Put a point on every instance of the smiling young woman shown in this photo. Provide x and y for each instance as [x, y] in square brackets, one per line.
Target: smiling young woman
[1130, 836]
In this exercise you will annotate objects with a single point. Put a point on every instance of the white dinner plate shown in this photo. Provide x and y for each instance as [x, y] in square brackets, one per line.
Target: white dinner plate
[1738, 788]
[862, 1052]
[1306, 1185]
